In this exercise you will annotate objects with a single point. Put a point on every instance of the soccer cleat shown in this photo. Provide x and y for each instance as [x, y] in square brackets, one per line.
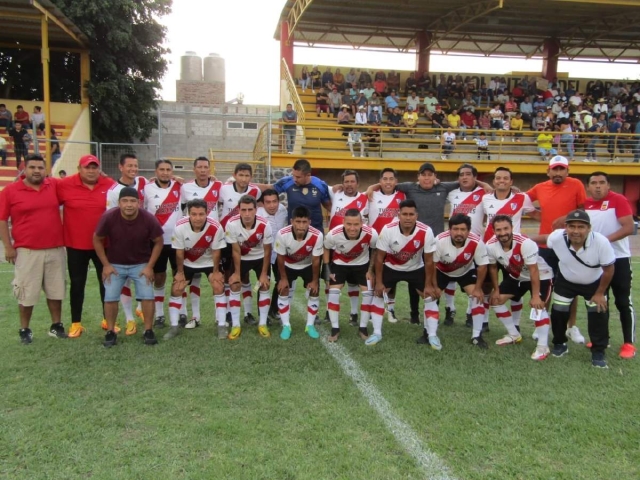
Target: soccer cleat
[57, 330]
[423, 339]
[353, 320]
[311, 331]
[104, 326]
[469, 321]
[235, 333]
[335, 335]
[150, 338]
[249, 319]
[193, 323]
[285, 334]
[132, 328]
[414, 320]
[434, 341]
[172, 333]
[598, 361]
[559, 350]
[391, 316]
[139, 314]
[479, 342]
[509, 340]
[264, 332]
[449, 315]
[627, 351]
[76, 330]
[26, 336]
[540, 353]
[574, 335]
[159, 322]
[223, 331]
[363, 332]
[182, 320]
[110, 339]
[373, 339]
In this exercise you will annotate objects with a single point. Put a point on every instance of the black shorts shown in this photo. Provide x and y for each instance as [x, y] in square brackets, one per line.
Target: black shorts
[351, 274]
[167, 254]
[511, 286]
[415, 278]
[306, 274]
[565, 288]
[226, 259]
[469, 278]
[551, 258]
[246, 266]
[190, 272]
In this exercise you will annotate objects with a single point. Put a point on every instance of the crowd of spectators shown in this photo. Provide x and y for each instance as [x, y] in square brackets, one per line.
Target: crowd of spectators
[557, 115]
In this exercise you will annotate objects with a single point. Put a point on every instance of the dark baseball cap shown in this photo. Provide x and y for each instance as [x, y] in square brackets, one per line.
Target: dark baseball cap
[128, 192]
[578, 216]
[427, 166]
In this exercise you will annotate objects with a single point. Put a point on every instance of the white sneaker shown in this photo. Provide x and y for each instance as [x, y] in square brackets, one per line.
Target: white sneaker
[194, 323]
[391, 316]
[509, 340]
[574, 334]
[540, 353]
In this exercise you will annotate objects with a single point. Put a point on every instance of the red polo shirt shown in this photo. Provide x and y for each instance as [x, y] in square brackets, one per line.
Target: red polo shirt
[34, 214]
[83, 208]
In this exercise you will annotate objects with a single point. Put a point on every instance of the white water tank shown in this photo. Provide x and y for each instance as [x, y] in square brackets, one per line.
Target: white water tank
[191, 67]
[214, 68]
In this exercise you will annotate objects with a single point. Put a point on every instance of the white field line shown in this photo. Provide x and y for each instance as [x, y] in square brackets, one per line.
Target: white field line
[432, 466]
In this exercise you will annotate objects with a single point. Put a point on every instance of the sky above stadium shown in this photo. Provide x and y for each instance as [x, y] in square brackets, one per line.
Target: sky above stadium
[241, 31]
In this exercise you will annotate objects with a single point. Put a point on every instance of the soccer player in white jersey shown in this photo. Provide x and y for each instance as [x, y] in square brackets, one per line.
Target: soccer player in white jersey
[299, 249]
[348, 198]
[162, 199]
[276, 214]
[230, 194]
[204, 188]
[383, 209]
[404, 253]
[346, 256]
[462, 257]
[524, 271]
[251, 240]
[128, 167]
[466, 199]
[198, 241]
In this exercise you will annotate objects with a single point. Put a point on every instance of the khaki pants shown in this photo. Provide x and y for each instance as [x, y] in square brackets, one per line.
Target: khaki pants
[37, 270]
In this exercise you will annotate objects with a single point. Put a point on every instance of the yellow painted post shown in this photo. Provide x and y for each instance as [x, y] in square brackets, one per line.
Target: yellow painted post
[85, 76]
[45, 88]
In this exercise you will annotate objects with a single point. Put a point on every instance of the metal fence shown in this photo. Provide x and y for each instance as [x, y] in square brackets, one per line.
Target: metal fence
[65, 153]
[109, 154]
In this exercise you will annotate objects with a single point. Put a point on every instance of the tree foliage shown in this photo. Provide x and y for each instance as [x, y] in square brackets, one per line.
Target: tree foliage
[126, 46]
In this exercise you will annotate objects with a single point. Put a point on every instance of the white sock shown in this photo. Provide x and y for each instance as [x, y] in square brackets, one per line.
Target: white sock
[478, 315]
[234, 308]
[158, 293]
[264, 302]
[126, 300]
[333, 307]
[377, 311]
[449, 296]
[247, 298]
[542, 329]
[221, 309]
[194, 290]
[431, 317]
[516, 311]
[365, 308]
[283, 310]
[312, 309]
[174, 310]
[354, 297]
[502, 312]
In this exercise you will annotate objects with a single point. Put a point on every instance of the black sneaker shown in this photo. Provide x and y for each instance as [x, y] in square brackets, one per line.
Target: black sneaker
[250, 320]
[57, 330]
[415, 319]
[598, 361]
[26, 336]
[479, 342]
[110, 339]
[149, 337]
[182, 321]
[469, 322]
[229, 321]
[353, 320]
[559, 349]
[423, 339]
[449, 315]
[485, 327]
[159, 322]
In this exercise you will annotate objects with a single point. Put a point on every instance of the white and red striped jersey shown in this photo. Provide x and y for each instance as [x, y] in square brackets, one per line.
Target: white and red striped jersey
[198, 246]
[251, 240]
[210, 194]
[470, 204]
[383, 209]
[298, 253]
[113, 195]
[350, 252]
[454, 261]
[229, 199]
[515, 261]
[514, 206]
[164, 203]
[405, 253]
[605, 215]
[340, 203]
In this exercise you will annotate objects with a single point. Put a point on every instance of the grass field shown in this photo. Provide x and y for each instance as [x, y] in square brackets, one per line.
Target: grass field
[198, 407]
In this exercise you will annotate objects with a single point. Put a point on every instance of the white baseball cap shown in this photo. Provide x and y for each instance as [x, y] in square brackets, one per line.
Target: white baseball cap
[559, 161]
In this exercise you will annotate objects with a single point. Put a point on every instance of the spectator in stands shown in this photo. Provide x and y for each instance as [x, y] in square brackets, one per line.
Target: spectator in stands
[438, 120]
[55, 147]
[414, 101]
[6, 117]
[453, 119]
[22, 116]
[545, 144]
[410, 84]
[322, 102]
[327, 78]
[424, 83]
[393, 80]
[62, 174]
[549, 117]
[600, 107]
[482, 94]
[351, 78]
[360, 102]
[394, 119]
[510, 107]
[290, 119]
[335, 100]
[517, 125]
[380, 86]
[468, 103]
[575, 101]
[518, 93]
[391, 101]
[564, 113]
[592, 141]
[548, 97]
[374, 102]
[316, 78]
[361, 118]
[368, 91]
[356, 136]
[586, 120]
[526, 109]
[442, 92]
[338, 80]
[304, 79]
[21, 139]
[615, 126]
[448, 143]
[492, 89]
[410, 120]
[3, 151]
[37, 117]
[539, 105]
[503, 97]
[375, 120]
[455, 102]
[430, 103]
[380, 75]
[365, 78]
[537, 121]
[484, 121]
[348, 98]
[636, 150]
[483, 146]
[344, 115]
[632, 117]
[468, 121]
[497, 117]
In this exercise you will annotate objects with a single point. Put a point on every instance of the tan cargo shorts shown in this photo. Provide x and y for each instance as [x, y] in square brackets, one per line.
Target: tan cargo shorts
[37, 270]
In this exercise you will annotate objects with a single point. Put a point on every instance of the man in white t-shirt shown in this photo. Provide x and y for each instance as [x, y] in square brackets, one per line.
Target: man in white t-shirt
[448, 143]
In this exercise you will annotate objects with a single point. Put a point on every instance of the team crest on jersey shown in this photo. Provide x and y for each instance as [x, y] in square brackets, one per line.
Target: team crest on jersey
[514, 206]
[416, 243]
[208, 238]
[175, 193]
[305, 190]
[363, 245]
[259, 236]
[476, 198]
[517, 257]
[467, 256]
[605, 205]
[215, 193]
[309, 248]
[314, 191]
[359, 204]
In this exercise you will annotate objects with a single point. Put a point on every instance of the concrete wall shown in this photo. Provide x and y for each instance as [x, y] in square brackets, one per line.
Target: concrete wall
[200, 93]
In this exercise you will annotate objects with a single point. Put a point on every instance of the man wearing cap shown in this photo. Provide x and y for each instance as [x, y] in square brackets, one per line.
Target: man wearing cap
[84, 199]
[600, 107]
[586, 266]
[290, 118]
[35, 245]
[130, 231]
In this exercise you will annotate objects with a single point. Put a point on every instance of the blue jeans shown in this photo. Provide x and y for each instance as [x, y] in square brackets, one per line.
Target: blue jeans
[144, 288]
[567, 141]
[290, 139]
